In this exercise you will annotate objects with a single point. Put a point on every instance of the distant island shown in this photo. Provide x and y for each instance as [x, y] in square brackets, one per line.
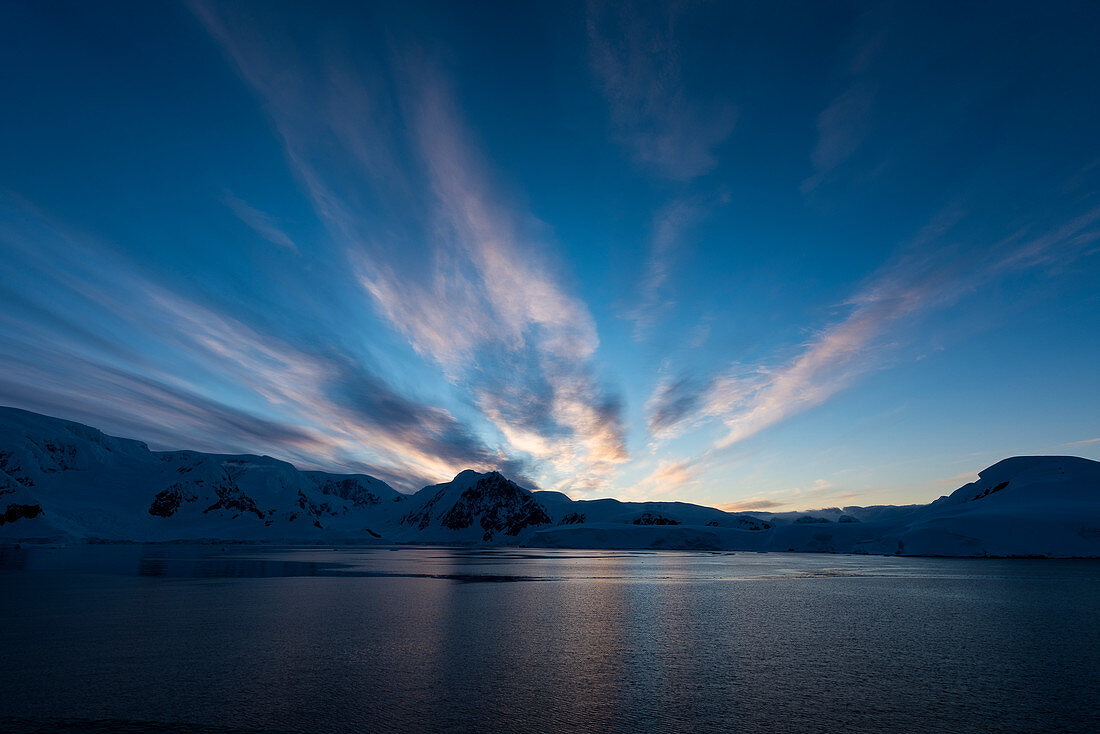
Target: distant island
[63, 482]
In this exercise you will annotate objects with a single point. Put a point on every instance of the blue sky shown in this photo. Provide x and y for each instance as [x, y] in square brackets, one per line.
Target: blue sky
[759, 256]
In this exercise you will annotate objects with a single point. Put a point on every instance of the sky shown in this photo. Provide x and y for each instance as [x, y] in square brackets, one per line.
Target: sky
[760, 256]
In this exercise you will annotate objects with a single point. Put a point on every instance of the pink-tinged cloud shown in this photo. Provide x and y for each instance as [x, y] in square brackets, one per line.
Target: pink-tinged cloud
[481, 297]
[750, 504]
[1086, 442]
[184, 374]
[527, 312]
[262, 224]
[930, 275]
[928, 278]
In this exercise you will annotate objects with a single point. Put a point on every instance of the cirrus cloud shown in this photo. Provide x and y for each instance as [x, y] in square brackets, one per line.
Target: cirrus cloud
[439, 251]
[636, 59]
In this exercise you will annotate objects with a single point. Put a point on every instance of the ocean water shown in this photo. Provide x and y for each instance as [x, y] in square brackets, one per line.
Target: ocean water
[245, 638]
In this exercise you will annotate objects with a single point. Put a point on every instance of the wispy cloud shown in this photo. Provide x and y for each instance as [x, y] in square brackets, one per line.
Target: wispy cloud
[262, 224]
[819, 494]
[846, 120]
[841, 127]
[930, 275]
[679, 403]
[540, 340]
[750, 504]
[96, 339]
[670, 478]
[1086, 442]
[674, 400]
[440, 252]
[671, 226]
[636, 58]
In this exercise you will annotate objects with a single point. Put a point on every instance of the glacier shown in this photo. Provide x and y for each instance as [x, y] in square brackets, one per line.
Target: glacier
[63, 482]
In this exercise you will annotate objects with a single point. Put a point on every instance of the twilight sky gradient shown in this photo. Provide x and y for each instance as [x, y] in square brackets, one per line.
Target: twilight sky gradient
[753, 255]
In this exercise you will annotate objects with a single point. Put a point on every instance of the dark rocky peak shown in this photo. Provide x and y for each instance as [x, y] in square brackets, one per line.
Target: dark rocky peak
[490, 500]
[499, 504]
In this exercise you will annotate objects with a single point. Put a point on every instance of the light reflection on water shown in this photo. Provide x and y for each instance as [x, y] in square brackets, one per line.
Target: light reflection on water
[451, 639]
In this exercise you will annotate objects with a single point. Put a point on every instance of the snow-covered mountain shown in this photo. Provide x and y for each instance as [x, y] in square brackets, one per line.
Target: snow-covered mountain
[60, 479]
[1023, 506]
[472, 508]
[64, 481]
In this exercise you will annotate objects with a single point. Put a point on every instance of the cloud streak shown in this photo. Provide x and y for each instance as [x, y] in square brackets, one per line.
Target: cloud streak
[440, 253]
[167, 368]
[670, 228]
[1086, 442]
[674, 401]
[845, 122]
[262, 224]
[636, 60]
[929, 276]
[841, 127]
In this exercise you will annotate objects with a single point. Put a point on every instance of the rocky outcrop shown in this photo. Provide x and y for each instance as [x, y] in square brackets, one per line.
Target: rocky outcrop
[361, 491]
[12, 473]
[990, 490]
[230, 497]
[166, 502]
[489, 501]
[654, 518]
[15, 512]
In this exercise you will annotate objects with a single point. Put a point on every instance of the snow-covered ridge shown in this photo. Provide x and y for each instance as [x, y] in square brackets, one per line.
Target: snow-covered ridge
[61, 480]
[77, 482]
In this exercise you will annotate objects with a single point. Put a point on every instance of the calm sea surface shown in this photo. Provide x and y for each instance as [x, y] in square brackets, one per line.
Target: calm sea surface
[213, 638]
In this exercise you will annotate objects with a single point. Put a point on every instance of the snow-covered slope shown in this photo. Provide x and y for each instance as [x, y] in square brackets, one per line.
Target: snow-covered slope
[1023, 506]
[61, 479]
[64, 480]
[1026, 505]
[645, 513]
